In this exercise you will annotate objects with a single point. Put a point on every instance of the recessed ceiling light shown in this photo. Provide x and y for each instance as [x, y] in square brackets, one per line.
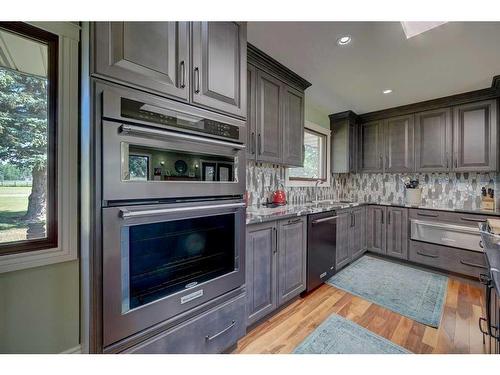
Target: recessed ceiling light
[344, 40]
[387, 91]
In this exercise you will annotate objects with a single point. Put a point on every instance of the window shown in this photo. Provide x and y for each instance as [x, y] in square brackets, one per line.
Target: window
[316, 161]
[28, 128]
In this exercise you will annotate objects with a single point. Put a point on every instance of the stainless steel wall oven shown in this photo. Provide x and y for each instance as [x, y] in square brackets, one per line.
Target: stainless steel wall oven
[173, 217]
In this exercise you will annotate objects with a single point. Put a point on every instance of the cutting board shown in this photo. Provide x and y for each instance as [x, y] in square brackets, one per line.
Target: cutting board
[494, 226]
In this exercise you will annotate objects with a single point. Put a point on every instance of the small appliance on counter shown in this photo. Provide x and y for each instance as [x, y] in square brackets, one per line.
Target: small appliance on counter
[487, 199]
[278, 198]
[413, 192]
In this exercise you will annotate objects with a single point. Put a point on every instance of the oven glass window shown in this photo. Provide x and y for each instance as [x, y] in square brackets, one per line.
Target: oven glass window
[167, 257]
[145, 163]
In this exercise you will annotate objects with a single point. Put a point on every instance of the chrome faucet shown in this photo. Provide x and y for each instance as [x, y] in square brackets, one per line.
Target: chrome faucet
[316, 189]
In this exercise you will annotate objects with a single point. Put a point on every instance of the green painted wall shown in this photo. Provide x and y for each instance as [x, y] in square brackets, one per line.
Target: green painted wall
[39, 309]
[316, 115]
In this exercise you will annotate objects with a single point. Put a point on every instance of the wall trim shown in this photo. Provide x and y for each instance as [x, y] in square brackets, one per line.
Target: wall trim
[74, 350]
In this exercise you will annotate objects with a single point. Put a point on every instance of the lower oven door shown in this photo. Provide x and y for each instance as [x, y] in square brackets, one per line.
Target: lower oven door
[162, 260]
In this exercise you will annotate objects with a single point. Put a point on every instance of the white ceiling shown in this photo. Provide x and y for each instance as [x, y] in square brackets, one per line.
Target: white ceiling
[450, 59]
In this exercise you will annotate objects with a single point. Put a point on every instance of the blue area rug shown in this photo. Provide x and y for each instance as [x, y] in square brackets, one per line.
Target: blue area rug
[337, 335]
[416, 294]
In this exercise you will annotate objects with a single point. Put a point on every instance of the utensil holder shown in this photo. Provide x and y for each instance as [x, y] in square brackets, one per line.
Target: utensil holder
[413, 197]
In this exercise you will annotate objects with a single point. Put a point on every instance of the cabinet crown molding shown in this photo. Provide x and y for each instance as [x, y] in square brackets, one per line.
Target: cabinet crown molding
[256, 57]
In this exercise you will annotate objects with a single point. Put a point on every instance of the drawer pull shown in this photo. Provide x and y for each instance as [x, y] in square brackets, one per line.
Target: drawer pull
[294, 221]
[481, 244]
[473, 219]
[427, 255]
[426, 214]
[475, 265]
[210, 338]
[447, 239]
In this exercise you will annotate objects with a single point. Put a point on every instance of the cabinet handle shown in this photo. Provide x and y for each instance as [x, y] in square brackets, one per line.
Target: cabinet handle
[210, 338]
[473, 219]
[481, 244]
[252, 143]
[427, 255]
[475, 265]
[183, 74]
[456, 163]
[389, 218]
[197, 80]
[275, 241]
[259, 144]
[428, 215]
[382, 217]
[295, 221]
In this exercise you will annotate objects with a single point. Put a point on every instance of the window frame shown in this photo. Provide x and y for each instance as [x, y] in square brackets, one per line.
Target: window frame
[52, 42]
[304, 181]
[68, 146]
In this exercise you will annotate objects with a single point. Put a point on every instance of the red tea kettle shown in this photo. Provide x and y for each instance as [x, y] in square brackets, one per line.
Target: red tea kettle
[279, 196]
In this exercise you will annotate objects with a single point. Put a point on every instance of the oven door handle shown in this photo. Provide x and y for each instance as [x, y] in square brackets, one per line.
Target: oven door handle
[152, 132]
[127, 214]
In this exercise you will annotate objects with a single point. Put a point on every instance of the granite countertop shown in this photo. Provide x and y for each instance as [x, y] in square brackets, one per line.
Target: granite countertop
[491, 245]
[262, 214]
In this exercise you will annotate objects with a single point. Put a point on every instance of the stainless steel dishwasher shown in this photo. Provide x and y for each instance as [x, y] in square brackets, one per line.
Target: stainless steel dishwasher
[321, 247]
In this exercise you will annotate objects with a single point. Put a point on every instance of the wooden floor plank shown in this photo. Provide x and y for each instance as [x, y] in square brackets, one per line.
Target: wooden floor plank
[458, 331]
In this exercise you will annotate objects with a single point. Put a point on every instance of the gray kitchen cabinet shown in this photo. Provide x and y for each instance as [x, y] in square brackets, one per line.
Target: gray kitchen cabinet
[342, 253]
[344, 149]
[219, 66]
[433, 140]
[397, 232]
[357, 233]
[398, 141]
[293, 127]
[261, 270]
[376, 229]
[292, 257]
[475, 137]
[251, 112]
[150, 55]
[269, 121]
[371, 146]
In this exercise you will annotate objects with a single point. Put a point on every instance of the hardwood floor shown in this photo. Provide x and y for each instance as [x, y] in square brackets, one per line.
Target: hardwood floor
[457, 333]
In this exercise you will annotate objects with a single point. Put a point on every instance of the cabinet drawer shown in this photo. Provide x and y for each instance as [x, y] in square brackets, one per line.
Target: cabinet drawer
[452, 217]
[465, 262]
[211, 332]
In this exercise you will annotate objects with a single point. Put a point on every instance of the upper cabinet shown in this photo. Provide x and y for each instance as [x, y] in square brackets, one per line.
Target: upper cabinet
[398, 136]
[433, 140]
[371, 145]
[344, 149]
[275, 119]
[150, 55]
[155, 57]
[475, 137]
[219, 66]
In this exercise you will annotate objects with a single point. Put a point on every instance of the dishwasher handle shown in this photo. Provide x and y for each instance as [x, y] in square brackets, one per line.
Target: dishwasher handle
[318, 221]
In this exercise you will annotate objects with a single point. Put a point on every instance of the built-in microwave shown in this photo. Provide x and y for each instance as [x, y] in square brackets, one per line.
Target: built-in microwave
[156, 148]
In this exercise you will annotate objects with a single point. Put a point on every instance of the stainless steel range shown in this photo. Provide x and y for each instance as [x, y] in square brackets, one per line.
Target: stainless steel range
[173, 217]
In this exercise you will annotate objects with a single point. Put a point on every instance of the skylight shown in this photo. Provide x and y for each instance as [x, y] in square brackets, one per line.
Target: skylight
[414, 28]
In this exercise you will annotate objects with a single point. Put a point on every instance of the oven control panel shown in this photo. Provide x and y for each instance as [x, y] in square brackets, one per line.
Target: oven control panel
[144, 112]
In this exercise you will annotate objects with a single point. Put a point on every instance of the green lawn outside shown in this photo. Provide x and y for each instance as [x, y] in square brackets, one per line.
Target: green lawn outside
[13, 205]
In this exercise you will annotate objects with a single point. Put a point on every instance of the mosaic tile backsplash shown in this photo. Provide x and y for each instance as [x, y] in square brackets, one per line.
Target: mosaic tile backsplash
[451, 190]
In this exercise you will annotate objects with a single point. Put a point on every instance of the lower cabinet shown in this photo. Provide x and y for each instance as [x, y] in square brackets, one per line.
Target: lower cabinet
[387, 231]
[275, 265]
[351, 236]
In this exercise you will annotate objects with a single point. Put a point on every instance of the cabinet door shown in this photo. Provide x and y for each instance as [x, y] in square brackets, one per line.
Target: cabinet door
[371, 146]
[375, 230]
[261, 270]
[220, 66]
[293, 128]
[397, 232]
[398, 137]
[433, 141]
[357, 233]
[352, 153]
[269, 117]
[342, 253]
[475, 137]
[292, 244]
[251, 113]
[151, 55]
